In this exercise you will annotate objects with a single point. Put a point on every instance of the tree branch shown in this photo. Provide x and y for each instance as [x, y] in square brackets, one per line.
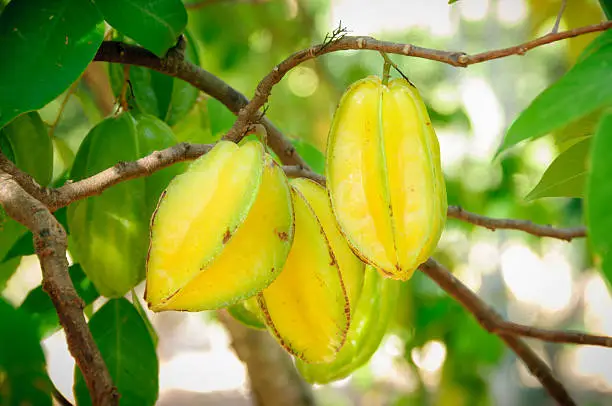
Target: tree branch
[296, 171]
[489, 319]
[50, 243]
[174, 65]
[122, 171]
[272, 375]
[459, 59]
[527, 226]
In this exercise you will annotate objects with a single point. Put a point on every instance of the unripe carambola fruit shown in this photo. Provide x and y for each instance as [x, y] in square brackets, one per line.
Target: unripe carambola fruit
[248, 313]
[384, 176]
[307, 308]
[108, 233]
[374, 310]
[221, 232]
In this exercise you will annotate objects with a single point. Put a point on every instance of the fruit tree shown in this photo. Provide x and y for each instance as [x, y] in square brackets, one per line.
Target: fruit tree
[376, 198]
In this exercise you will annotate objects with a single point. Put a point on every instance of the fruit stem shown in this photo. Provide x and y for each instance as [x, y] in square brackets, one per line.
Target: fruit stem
[386, 69]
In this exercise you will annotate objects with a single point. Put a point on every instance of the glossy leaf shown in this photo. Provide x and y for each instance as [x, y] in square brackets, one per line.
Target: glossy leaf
[585, 88]
[23, 375]
[26, 143]
[108, 232]
[128, 351]
[143, 314]
[195, 126]
[39, 305]
[599, 195]
[10, 232]
[221, 119]
[602, 40]
[24, 245]
[155, 25]
[49, 44]
[141, 94]
[606, 6]
[151, 92]
[566, 175]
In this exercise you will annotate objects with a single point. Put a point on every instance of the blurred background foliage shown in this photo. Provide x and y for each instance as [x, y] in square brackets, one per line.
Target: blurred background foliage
[435, 353]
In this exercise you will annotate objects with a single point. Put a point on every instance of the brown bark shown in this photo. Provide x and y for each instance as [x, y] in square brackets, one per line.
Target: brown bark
[272, 375]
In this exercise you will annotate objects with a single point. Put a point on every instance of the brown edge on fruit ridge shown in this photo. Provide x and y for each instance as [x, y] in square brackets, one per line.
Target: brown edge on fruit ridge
[261, 302]
[334, 263]
[151, 223]
[282, 235]
[226, 236]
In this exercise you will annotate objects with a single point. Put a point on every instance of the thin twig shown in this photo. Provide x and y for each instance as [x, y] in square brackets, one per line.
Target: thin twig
[59, 397]
[539, 230]
[50, 242]
[555, 27]
[69, 93]
[296, 171]
[489, 319]
[553, 336]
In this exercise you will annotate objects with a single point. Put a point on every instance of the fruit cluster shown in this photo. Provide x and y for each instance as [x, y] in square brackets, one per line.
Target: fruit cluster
[290, 255]
[317, 266]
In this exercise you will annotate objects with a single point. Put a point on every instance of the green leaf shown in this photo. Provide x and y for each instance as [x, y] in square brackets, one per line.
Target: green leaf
[155, 25]
[583, 89]
[49, 44]
[25, 244]
[128, 351]
[10, 232]
[143, 314]
[27, 144]
[39, 305]
[313, 157]
[602, 40]
[566, 175]
[195, 126]
[22, 247]
[221, 118]
[452, 1]
[606, 6]
[599, 195]
[141, 94]
[23, 375]
[151, 92]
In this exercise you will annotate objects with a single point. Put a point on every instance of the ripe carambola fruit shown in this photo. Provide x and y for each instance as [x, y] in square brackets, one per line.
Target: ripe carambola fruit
[307, 307]
[221, 232]
[375, 309]
[384, 176]
[351, 267]
[108, 233]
